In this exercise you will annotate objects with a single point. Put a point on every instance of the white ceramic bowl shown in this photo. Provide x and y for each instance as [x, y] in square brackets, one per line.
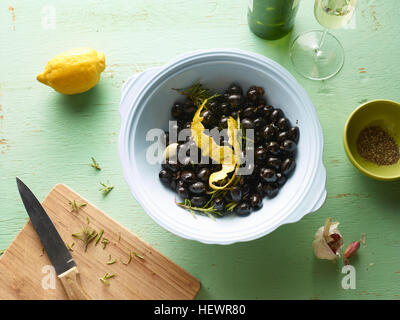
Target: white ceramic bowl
[145, 104]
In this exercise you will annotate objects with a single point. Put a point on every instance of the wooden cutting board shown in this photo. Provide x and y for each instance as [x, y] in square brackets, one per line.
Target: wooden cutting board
[25, 271]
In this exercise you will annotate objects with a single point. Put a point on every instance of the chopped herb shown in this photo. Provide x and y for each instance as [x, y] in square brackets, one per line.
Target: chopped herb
[99, 236]
[138, 255]
[104, 242]
[197, 94]
[95, 164]
[106, 188]
[76, 205]
[111, 261]
[129, 260]
[42, 252]
[2, 251]
[106, 278]
[69, 247]
[119, 236]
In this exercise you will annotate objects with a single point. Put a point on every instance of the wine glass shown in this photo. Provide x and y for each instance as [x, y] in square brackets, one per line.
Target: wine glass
[318, 55]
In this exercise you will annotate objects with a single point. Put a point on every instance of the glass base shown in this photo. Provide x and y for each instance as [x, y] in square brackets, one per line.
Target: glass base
[313, 62]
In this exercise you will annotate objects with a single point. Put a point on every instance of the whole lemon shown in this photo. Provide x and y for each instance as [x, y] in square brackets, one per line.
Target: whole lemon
[73, 71]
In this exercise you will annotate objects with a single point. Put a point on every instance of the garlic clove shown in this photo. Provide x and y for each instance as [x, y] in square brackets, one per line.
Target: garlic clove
[170, 151]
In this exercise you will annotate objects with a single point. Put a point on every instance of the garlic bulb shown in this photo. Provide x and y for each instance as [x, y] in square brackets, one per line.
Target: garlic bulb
[328, 241]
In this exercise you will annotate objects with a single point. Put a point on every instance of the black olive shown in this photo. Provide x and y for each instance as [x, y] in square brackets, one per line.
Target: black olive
[215, 107]
[235, 89]
[182, 192]
[268, 132]
[272, 148]
[223, 122]
[249, 112]
[203, 174]
[271, 190]
[283, 124]
[197, 188]
[259, 188]
[258, 122]
[236, 193]
[256, 201]
[235, 99]
[235, 114]
[264, 111]
[189, 108]
[276, 115]
[165, 176]
[268, 175]
[173, 183]
[208, 117]
[282, 136]
[219, 204]
[188, 176]
[224, 108]
[252, 94]
[288, 166]
[180, 183]
[260, 153]
[171, 166]
[255, 92]
[177, 110]
[274, 163]
[294, 134]
[281, 179]
[245, 188]
[247, 123]
[198, 201]
[243, 209]
[289, 146]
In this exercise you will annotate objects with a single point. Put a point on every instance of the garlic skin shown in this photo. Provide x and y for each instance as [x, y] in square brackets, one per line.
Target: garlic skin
[328, 241]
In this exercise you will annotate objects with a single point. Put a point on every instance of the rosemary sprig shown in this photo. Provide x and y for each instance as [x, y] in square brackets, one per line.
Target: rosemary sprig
[209, 211]
[231, 206]
[106, 188]
[111, 261]
[87, 235]
[95, 164]
[106, 278]
[198, 94]
[76, 205]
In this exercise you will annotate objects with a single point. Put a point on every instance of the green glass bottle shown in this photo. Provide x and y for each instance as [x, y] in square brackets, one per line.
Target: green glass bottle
[272, 19]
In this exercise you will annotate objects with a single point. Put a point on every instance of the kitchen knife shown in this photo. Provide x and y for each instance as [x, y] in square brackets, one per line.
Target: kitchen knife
[57, 252]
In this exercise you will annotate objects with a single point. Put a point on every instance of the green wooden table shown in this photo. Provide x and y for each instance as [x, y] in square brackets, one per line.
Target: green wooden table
[47, 138]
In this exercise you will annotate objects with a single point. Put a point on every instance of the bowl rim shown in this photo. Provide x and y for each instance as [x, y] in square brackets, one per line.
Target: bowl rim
[308, 202]
[347, 147]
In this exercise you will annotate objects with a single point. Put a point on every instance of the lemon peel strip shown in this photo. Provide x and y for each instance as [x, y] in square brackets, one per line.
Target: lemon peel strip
[229, 158]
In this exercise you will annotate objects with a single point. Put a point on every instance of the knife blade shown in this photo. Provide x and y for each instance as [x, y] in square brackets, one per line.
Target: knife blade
[54, 246]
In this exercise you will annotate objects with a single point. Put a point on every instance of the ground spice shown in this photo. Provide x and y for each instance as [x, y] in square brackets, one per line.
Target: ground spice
[375, 145]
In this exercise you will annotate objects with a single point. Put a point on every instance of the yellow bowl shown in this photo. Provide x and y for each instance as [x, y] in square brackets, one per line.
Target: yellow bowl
[382, 113]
